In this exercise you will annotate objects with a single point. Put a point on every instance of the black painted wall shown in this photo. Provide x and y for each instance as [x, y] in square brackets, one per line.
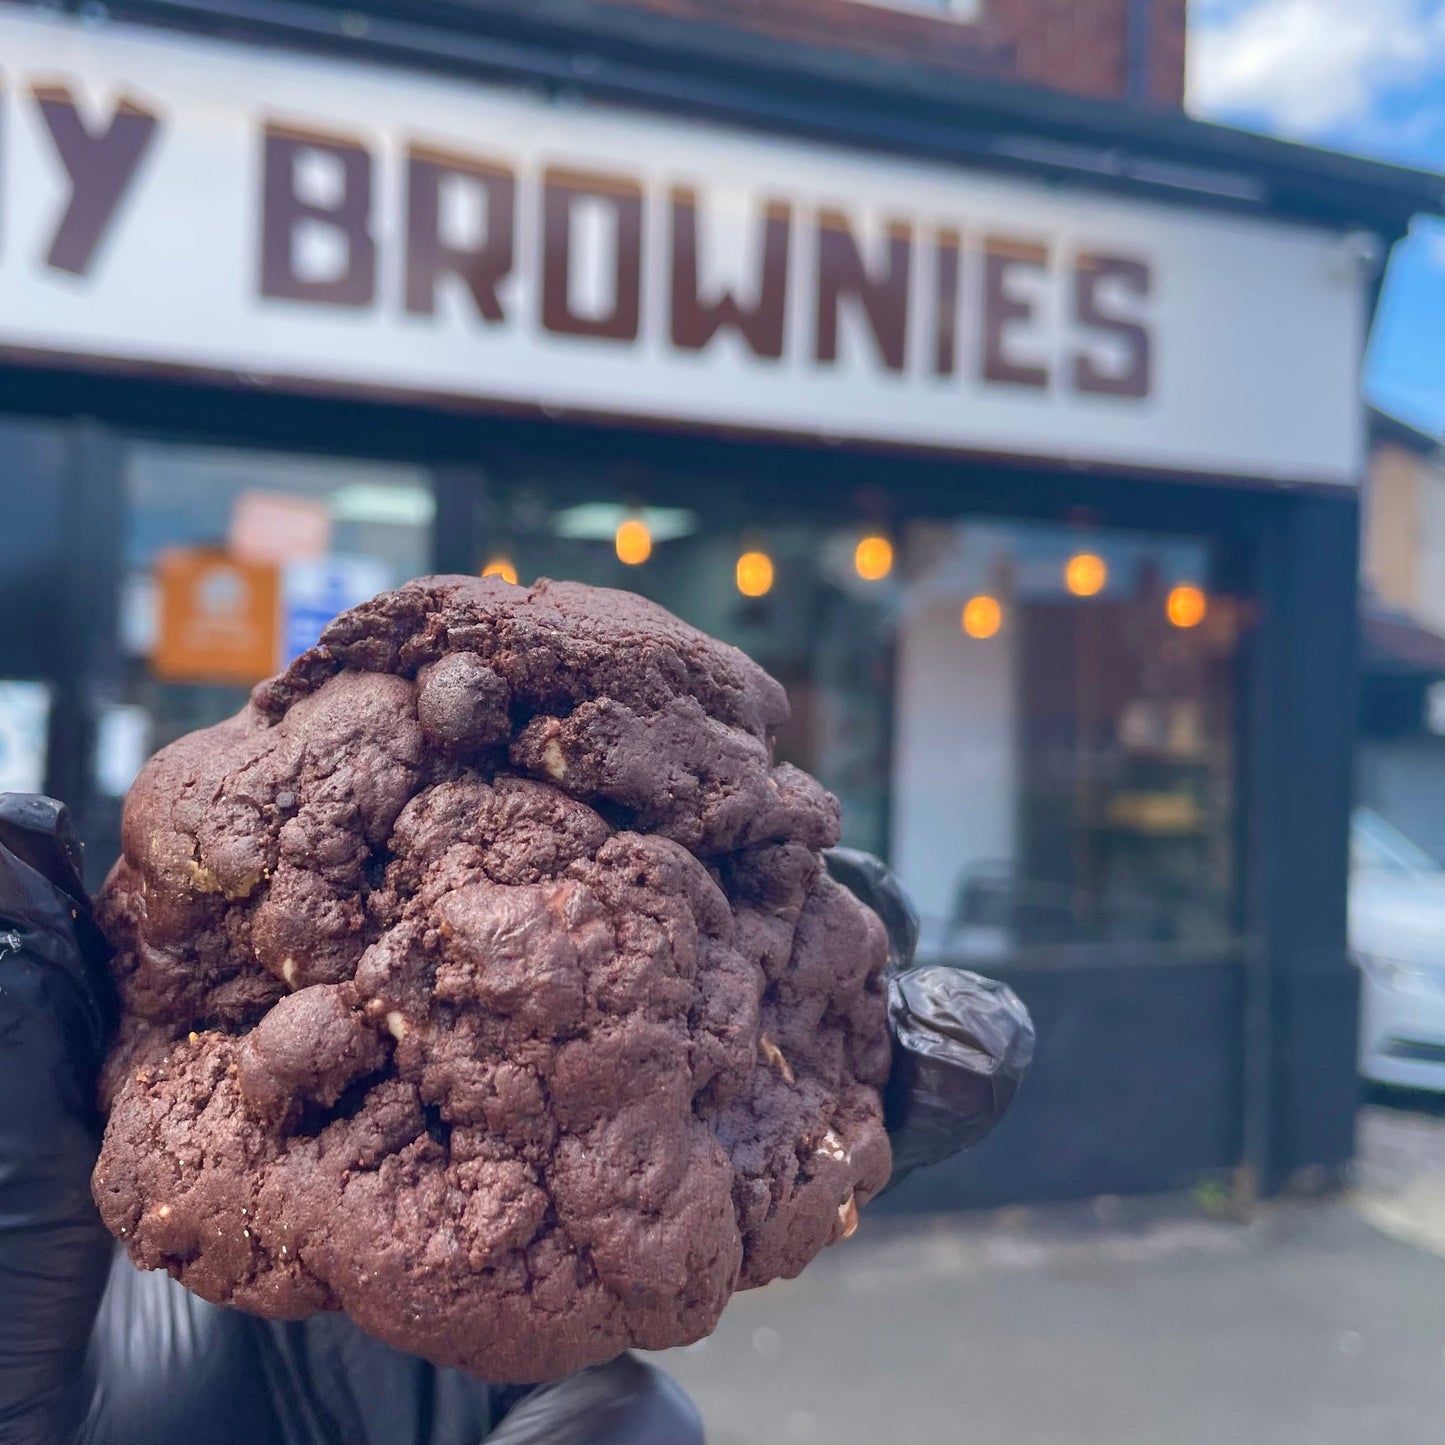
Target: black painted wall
[1136, 1088]
[35, 466]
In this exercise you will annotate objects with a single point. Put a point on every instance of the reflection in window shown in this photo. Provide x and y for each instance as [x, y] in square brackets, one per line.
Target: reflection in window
[1378, 847]
[964, 10]
[1035, 724]
[1063, 747]
[314, 534]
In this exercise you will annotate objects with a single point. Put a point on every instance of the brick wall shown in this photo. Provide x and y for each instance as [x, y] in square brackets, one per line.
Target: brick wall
[1080, 46]
[1392, 526]
[1166, 52]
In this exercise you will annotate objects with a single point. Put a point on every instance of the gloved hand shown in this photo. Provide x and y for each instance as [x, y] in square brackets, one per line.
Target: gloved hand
[962, 1043]
[93, 1352]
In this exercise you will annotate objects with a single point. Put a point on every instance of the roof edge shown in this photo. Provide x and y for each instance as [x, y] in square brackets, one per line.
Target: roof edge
[1385, 426]
[620, 52]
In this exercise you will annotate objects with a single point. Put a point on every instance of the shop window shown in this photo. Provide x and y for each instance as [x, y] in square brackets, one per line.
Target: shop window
[35, 458]
[1035, 724]
[966, 10]
[235, 559]
[1064, 742]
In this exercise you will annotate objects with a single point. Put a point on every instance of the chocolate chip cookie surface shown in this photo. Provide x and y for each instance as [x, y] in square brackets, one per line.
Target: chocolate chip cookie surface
[482, 980]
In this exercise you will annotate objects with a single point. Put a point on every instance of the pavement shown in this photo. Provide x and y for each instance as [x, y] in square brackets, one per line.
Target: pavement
[1127, 1322]
[1400, 1168]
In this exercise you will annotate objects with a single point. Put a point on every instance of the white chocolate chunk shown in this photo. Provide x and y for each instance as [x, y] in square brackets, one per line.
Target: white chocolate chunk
[773, 1056]
[553, 759]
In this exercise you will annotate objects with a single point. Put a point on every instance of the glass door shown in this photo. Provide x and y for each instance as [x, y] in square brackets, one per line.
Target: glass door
[233, 562]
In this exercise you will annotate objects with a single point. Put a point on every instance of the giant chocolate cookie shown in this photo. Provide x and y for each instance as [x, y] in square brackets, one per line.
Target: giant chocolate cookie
[483, 980]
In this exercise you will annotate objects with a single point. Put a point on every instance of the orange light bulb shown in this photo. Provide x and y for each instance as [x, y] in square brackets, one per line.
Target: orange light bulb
[633, 542]
[1186, 606]
[982, 616]
[755, 574]
[1086, 574]
[873, 558]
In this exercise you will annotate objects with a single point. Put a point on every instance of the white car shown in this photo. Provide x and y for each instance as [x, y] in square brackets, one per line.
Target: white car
[1397, 935]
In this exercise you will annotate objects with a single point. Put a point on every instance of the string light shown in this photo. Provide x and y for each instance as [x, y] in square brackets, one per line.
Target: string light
[1186, 606]
[1086, 574]
[633, 542]
[982, 616]
[873, 558]
[755, 574]
[501, 567]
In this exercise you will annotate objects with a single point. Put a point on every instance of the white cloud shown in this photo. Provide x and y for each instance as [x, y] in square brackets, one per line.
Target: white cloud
[1308, 65]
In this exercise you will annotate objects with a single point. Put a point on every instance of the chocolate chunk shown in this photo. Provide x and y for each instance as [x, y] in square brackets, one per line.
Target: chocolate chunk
[462, 704]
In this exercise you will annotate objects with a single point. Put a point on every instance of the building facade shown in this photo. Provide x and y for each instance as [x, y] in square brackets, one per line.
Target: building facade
[1016, 431]
[1125, 50]
[1401, 757]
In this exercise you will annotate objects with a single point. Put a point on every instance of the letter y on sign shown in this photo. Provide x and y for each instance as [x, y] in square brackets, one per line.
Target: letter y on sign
[100, 165]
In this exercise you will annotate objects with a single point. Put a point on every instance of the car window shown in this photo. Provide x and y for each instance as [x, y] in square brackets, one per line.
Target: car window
[1379, 847]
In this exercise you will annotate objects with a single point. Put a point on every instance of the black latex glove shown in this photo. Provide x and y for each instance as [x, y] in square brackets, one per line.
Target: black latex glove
[55, 1019]
[93, 1352]
[961, 1043]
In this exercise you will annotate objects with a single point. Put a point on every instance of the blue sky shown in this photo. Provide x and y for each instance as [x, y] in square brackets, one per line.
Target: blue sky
[1358, 75]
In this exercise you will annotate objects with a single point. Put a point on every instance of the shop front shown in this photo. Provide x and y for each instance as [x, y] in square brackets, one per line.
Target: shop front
[1034, 484]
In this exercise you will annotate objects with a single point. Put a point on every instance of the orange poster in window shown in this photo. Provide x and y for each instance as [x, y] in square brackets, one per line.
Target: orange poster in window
[218, 617]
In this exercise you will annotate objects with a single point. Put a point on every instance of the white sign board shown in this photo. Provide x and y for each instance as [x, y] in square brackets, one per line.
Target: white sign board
[188, 202]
